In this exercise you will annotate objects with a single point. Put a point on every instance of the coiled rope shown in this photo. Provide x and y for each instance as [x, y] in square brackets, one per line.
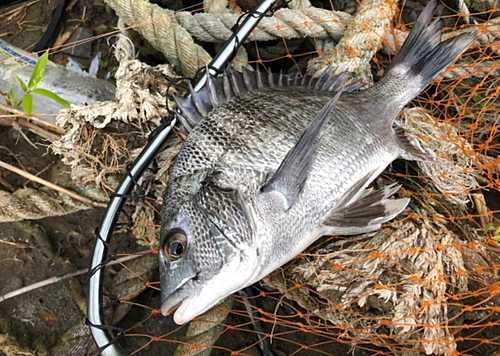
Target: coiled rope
[172, 33]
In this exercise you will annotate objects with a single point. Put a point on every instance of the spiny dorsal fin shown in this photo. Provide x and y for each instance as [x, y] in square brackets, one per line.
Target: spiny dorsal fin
[249, 79]
[290, 177]
[190, 115]
[218, 90]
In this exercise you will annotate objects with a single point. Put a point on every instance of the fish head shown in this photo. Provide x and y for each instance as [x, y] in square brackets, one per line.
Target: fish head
[206, 252]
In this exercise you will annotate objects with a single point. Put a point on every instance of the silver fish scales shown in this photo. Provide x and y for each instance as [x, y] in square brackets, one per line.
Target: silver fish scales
[272, 163]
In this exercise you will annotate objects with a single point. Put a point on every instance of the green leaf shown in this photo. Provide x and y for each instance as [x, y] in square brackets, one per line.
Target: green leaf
[27, 103]
[51, 95]
[487, 228]
[21, 84]
[113, 72]
[38, 71]
[12, 98]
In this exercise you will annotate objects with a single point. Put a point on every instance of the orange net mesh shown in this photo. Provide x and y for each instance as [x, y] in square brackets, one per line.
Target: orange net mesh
[426, 283]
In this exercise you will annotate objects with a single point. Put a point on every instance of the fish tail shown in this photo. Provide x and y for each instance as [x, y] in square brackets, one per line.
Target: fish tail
[423, 55]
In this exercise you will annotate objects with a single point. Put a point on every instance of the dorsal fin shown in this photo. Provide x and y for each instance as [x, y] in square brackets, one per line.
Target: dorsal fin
[290, 177]
[220, 89]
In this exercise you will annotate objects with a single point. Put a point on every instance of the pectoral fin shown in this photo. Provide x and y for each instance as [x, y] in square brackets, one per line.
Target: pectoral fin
[290, 177]
[366, 213]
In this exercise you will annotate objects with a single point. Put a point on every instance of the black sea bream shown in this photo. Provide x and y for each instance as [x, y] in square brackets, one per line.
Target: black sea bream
[272, 163]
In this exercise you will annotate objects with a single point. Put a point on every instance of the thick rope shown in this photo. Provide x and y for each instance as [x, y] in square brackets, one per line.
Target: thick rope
[175, 42]
[163, 34]
[215, 6]
[286, 23]
[205, 330]
[359, 44]
[32, 204]
[448, 176]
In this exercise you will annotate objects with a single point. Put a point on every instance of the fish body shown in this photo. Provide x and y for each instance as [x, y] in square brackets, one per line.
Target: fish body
[272, 163]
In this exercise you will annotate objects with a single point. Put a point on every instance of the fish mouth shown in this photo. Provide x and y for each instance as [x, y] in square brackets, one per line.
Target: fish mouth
[167, 308]
[174, 300]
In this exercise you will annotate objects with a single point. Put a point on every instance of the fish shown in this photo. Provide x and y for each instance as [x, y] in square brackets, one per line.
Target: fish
[273, 162]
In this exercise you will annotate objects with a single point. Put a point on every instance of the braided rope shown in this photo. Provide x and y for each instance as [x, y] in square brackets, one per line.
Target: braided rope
[28, 203]
[286, 23]
[215, 6]
[163, 34]
[172, 33]
[359, 44]
[205, 331]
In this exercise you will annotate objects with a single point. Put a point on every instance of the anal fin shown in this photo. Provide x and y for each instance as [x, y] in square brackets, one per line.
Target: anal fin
[411, 152]
[366, 213]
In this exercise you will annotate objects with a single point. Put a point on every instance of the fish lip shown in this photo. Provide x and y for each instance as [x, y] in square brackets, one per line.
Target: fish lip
[167, 307]
[174, 300]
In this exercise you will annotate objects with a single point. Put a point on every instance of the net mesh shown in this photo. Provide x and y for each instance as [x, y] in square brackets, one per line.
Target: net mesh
[426, 283]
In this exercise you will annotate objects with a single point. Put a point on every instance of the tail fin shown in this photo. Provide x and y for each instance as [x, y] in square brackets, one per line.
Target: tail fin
[423, 55]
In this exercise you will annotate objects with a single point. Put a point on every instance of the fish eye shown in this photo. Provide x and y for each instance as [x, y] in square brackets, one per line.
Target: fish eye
[175, 245]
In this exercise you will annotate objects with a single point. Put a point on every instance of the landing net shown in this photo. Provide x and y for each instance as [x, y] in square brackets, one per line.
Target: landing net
[426, 283]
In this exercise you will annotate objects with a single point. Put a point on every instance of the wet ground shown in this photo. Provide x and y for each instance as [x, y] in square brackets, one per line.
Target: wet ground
[32, 251]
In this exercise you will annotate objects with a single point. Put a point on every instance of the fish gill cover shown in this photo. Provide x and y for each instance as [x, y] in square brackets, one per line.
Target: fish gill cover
[427, 282]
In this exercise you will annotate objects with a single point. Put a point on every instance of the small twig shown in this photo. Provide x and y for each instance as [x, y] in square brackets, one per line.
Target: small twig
[482, 209]
[63, 36]
[494, 249]
[71, 5]
[39, 173]
[6, 185]
[263, 343]
[16, 244]
[51, 185]
[35, 118]
[18, 128]
[13, 11]
[53, 280]
[14, 157]
[278, 305]
[7, 121]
